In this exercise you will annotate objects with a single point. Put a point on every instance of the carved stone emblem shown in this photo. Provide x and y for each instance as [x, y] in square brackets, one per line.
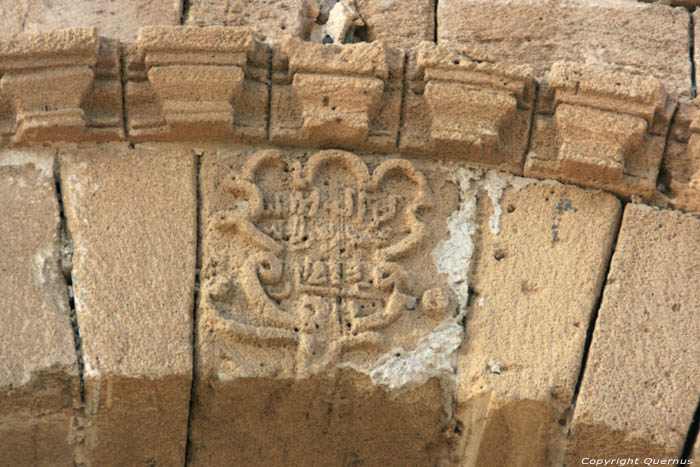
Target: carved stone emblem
[319, 250]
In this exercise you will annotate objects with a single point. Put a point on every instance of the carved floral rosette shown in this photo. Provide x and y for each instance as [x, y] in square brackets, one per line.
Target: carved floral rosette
[319, 255]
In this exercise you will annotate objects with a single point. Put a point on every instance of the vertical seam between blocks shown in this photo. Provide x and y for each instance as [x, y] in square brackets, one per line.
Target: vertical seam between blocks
[692, 436]
[594, 315]
[69, 281]
[198, 248]
[402, 106]
[691, 50]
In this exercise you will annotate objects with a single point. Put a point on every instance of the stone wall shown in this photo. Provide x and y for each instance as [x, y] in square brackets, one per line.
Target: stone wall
[370, 232]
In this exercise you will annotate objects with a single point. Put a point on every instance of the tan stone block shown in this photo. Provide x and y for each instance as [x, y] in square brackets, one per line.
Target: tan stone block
[270, 20]
[197, 84]
[399, 23]
[598, 127]
[132, 217]
[631, 36]
[679, 177]
[118, 20]
[61, 85]
[39, 382]
[639, 390]
[346, 96]
[536, 263]
[458, 105]
[325, 331]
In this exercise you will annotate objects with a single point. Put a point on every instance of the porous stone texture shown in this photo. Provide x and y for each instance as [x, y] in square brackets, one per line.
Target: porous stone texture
[131, 214]
[62, 85]
[342, 96]
[602, 128]
[632, 36]
[536, 261]
[679, 177]
[326, 334]
[639, 390]
[192, 83]
[271, 19]
[466, 107]
[39, 382]
[118, 20]
[400, 23]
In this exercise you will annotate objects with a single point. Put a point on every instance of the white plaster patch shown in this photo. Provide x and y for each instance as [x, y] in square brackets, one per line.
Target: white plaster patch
[433, 357]
[453, 255]
[89, 370]
[41, 160]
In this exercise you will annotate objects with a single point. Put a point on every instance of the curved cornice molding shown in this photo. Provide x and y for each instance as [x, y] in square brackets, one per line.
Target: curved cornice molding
[589, 125]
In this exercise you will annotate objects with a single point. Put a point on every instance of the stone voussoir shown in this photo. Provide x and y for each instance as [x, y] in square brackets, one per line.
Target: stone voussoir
[61, 85]
[192, 84]
[39, 378]
[536, 262]
[639, 389]
[326, 335]
[131, 214]
[598, 127]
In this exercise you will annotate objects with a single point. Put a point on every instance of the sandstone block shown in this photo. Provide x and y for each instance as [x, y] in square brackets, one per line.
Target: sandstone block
[336, 95]
[533, 263]
[197, 84]
[59, 86]
[118, 20]
[132, 217]
[461, 106]
[679, 177]
[39, 382]
[271, 20]
[628, 35]
[639, 390]
[399, 23]
[325, 332]
[602, 128]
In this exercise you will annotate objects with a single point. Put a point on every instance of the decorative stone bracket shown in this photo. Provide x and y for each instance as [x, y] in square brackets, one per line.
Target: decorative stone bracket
[467, 108]
[60, 85]
[600, 128]
[196, 84]
[679, 179]
[330, 95]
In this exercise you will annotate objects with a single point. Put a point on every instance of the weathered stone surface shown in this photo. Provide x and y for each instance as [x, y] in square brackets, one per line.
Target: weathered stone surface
[132, 217]
[679, 178]
[325, 333]
[336, 96]
[399, 23]
[39, 383]
[639, 390]
[59, 86]
[270, 19]
[197, 84]
[118, 20]
[631, 36]
[536, 254]
[464, 106]
[602, 128]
